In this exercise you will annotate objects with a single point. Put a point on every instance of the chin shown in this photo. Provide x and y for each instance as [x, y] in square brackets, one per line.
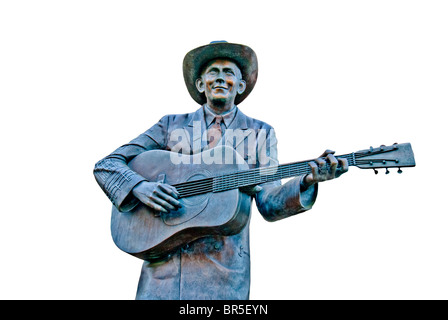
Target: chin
[219, 101]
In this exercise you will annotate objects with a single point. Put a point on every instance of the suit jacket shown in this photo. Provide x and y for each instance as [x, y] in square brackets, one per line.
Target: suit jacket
[214, 267]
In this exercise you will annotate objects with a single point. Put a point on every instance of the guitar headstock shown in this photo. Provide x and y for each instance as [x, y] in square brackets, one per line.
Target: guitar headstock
[394, 156]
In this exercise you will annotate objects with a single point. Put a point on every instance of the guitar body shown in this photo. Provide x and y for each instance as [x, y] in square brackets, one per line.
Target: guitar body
[151, 235]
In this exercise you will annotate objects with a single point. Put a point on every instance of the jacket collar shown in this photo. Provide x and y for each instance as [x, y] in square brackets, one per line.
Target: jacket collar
[240, 121]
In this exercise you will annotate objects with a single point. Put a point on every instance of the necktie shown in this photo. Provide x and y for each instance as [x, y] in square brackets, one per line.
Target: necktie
[214, 133]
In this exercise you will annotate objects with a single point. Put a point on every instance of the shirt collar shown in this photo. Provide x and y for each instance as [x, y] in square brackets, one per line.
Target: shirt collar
[226, 117]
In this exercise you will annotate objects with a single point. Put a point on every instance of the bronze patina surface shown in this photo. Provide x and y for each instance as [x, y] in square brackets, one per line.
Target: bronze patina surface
[219, 76]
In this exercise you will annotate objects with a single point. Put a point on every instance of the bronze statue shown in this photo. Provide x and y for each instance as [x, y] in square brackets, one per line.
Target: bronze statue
[211, 264]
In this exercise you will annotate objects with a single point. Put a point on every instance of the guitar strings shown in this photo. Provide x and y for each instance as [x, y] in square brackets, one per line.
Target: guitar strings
[233, 182]
[247, 177]
[239, 176]
[242, 174]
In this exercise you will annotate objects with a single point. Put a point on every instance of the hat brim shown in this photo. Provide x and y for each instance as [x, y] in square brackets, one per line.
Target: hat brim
[242, 55]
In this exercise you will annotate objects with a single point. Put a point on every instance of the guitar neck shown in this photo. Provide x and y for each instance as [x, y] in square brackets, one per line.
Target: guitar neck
[394, 156]
[249, 177]
[266, 174]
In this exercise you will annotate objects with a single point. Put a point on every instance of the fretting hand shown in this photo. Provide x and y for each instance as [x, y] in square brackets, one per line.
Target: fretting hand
[324, 168]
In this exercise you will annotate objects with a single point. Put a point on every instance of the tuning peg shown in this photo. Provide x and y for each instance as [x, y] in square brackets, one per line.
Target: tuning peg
[376, 171]
[399, 170]
[387, 171]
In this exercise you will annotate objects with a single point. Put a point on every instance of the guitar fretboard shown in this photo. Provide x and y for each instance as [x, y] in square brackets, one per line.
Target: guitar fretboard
[249, 177]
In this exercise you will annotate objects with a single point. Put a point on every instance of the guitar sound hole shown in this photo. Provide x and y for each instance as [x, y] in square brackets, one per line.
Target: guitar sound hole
[191, 206]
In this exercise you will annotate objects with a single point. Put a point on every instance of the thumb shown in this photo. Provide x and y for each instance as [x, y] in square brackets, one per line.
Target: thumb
[251, 190]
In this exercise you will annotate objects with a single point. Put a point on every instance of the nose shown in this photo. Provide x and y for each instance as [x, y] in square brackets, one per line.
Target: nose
[220, 77]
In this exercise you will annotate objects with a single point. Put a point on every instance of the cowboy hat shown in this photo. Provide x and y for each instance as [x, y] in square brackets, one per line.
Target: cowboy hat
[244, 57]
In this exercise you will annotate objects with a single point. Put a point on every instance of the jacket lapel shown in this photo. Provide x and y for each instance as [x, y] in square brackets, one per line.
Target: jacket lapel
[194, 130]
[235, 137]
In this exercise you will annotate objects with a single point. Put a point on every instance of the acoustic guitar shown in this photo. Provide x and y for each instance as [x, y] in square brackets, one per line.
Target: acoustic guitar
[211, 201]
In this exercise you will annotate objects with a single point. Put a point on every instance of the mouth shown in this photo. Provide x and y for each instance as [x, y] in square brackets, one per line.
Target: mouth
[219, 87]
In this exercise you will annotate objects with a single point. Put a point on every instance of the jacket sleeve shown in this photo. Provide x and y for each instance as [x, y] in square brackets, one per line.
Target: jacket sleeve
[114, 176]
[276, 201]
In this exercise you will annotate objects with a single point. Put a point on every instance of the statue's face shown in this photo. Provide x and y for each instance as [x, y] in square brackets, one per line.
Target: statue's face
[221, 81]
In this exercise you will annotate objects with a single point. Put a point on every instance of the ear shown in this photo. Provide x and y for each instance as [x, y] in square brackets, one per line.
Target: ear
[241, 86]
[200, 85]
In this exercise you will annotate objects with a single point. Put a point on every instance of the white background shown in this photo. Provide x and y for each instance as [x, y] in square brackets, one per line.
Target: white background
[80, 78]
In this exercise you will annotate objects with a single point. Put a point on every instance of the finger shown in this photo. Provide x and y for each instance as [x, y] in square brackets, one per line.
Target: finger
[158, 208]
[152, 205]
[326, 153]
[161, 194]
[333, 164]
[162, 203]
[321, 164]
[314, 169]
[343, 163]
[170, 190]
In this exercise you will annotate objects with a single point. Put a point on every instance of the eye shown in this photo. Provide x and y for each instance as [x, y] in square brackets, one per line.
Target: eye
[212, 71]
